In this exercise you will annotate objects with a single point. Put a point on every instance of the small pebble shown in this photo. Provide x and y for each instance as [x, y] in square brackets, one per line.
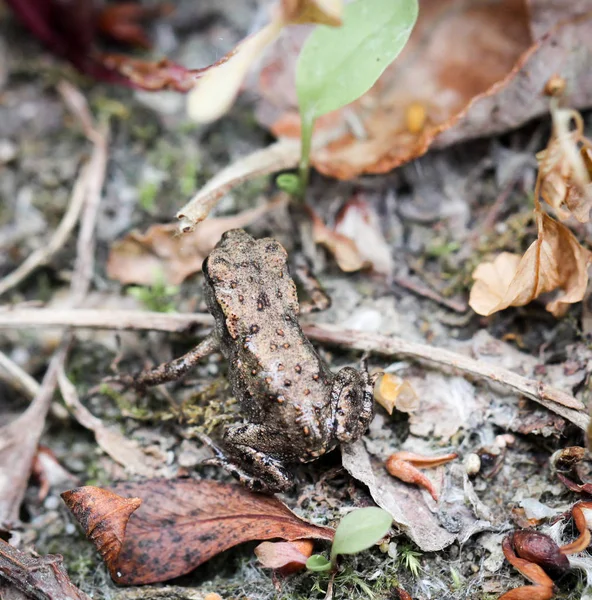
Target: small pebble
[8, 151]
[472, 464]
[51, 503]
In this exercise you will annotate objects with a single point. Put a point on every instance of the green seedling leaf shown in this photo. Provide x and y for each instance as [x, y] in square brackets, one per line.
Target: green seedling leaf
[289, 182]
[316, 562]
[337, 65]
[360, 530]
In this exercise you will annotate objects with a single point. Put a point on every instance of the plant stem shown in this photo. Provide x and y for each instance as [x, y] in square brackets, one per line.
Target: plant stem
[306, 128]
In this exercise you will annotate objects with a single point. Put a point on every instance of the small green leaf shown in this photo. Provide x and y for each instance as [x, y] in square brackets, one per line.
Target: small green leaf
[359, 530]
[289, 182]
[339, 64]
[316, 562]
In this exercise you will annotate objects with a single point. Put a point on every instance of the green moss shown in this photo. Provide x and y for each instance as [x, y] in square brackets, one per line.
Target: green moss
[159, 297]
[147, 195]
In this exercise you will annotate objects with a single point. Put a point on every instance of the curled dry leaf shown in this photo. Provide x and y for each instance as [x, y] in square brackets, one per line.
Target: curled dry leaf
[104, 517]
[356, 242]
[554, 261]
[343, 249]
[392, 391]
[185, 520]
[162, 254]
[458, 77]
[565, 166]
[288, 557]
[38, 577]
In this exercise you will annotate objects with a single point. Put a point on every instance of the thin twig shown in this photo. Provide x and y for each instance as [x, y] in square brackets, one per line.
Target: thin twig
[122, 450]
[97, 168]
[427, 292]
[43, 255]
[17, 378]
[87, 191]
[120, 320]
[556, 400]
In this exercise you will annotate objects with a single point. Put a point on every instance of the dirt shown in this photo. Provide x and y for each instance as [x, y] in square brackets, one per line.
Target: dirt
[429, 212]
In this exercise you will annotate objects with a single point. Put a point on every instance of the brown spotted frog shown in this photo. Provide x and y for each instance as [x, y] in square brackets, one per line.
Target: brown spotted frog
[295, 408]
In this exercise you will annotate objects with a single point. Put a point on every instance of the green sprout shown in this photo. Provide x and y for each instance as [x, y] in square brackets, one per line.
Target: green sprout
[357, 531]
[338, 65]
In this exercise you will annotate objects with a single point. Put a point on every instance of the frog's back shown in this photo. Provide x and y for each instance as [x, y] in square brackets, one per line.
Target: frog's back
[250, 282]
[273, 368]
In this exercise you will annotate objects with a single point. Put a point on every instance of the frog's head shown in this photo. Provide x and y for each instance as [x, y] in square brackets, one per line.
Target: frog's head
[353, 402]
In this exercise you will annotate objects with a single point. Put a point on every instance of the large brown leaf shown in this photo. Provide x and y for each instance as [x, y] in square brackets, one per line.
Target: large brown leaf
[179, 524]
[469, 69]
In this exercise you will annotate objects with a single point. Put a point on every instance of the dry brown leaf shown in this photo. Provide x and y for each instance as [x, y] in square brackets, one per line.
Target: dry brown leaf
[179, 524]
[356, 242]
[565, 166]
[404, 502]
[359, 222]
[554, 261]
[470, 69]
[18, 446]
[161, 254]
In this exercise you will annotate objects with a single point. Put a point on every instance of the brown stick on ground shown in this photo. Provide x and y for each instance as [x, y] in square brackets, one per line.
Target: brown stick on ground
[556, 400]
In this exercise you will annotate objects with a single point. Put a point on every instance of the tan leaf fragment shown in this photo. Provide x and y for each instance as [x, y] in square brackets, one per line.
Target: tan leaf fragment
[343, 249]
[359, 222]
[392, 391]
[554, 261]
[288, 557]
[162, 254]
[322, 12]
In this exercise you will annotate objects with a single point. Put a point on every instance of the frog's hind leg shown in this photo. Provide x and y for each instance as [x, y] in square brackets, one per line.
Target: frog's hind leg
[256, 470]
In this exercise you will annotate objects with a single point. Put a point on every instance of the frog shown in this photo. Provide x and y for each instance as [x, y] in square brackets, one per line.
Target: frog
[294, 408]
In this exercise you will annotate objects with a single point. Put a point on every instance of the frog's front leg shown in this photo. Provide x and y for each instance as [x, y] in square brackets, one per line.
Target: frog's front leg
[169, 371]
[253, 468]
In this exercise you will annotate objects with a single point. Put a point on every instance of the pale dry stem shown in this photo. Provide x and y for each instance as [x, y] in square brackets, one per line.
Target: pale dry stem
[556, 400]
